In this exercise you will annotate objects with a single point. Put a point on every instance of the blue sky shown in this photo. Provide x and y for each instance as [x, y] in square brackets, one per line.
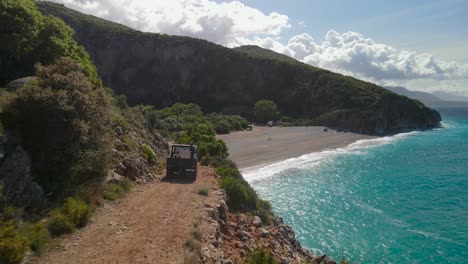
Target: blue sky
[421, 45]
[438, 27]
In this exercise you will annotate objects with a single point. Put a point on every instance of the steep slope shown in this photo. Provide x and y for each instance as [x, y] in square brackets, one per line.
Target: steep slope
[161, 70]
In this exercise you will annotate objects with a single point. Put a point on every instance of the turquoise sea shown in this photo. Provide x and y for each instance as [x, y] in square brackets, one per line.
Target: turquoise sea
[399, 199]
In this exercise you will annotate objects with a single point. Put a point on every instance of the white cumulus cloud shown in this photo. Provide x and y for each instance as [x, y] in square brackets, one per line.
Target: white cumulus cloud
[218, 22]
[352, 53]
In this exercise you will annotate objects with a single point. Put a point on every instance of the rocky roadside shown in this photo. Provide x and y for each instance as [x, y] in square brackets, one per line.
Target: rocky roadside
[229, 237]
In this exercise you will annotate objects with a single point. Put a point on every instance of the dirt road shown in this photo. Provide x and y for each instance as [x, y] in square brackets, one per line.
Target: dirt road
[150, 225]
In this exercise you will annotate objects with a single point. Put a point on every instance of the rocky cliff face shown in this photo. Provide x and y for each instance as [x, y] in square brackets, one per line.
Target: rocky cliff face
[230, 238]
[18, 185]
[161, 70]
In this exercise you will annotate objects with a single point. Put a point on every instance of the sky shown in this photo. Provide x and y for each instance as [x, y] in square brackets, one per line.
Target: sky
[421, 45]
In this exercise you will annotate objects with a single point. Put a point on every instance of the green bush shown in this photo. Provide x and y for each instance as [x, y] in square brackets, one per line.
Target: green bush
[13, 246]
[240, 193]
[130, 141]
[204, 190]
[59, 224]
[222, 127]
[28, 38]
[181, 117]
[148, 153]
[204, 136]
[11, 213]
[264, 211]
[121, 101]
[227, 171]
[260, 256]
[224, 124]
[74, 213]
[114, 191]
[121, 122]
[77, 210]
[217, 162]
[37, 235]
[215, 147]
[64, 123]
[265, 110]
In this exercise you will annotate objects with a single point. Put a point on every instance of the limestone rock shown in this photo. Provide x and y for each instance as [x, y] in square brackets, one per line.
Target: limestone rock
[136, 168]
[242, 234]
[263, 232]
[113, 177]
[15, 176]
[119, 131]
[120, 169]
[257, 221]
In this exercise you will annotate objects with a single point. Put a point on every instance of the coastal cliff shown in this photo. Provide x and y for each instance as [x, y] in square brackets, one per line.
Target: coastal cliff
[161, 70]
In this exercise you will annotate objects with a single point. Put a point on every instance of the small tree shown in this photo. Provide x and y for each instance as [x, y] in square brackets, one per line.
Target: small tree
[63, 122]
[265, 110]
[27, 38]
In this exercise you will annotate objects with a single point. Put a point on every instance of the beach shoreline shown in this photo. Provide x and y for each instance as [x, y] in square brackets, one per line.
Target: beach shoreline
[266, 145]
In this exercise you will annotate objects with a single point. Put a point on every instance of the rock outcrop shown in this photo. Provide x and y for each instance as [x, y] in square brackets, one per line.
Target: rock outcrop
[230, 238]
[19, 187]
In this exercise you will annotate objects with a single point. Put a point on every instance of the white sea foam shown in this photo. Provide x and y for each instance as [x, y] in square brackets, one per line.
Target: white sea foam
[445, 124]
[261, 172]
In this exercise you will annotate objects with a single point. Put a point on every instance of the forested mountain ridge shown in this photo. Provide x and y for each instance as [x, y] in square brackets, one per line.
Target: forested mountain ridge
[161, 70]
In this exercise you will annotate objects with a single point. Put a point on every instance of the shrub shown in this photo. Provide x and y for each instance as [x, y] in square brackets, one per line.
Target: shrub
[37, 234]
[63, 123]
[59, 224]
[13, 246]
[264, 211]
[77, 210]
[227, 171]
[194, 245]
[114, 191]
[148, 153]
[121, 122]
[191, 258]
[240, 193]
[130, 141]
[222, 127]
[265, 110]
[206, 160]
[217, 162]
[205, 137]
[224, 124]
[204, 190]
[74, 213]
[121, 101]
[28, 38]
[260, 256]
[11, 213]
[212, 148]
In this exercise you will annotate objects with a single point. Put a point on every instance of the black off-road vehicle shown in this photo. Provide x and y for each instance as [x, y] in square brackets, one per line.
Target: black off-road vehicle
[182, 162]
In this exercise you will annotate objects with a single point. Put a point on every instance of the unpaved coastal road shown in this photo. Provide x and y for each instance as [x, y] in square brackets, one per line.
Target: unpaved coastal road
[150, 225]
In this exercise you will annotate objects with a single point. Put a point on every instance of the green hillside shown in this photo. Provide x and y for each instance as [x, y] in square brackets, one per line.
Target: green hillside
[261, 53]
[161, 70]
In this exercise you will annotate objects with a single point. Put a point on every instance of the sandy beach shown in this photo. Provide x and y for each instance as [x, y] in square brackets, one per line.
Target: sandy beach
[265, 145]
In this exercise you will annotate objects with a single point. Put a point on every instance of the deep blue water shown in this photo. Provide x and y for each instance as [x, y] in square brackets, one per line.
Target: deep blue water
[400, 199]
